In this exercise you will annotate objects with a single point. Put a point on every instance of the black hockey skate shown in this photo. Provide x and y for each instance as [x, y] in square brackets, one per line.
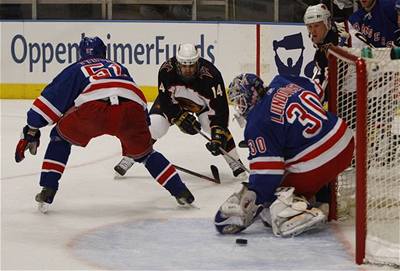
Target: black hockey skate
[185, 198]
[45, 198]
[238, 171]
[124, 165]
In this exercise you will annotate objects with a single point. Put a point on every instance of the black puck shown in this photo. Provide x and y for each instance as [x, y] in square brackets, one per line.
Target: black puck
[241, 241]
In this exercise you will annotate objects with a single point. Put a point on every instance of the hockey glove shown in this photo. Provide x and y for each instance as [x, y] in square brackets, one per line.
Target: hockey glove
[187, 123]
[30, 139]
[218, 140]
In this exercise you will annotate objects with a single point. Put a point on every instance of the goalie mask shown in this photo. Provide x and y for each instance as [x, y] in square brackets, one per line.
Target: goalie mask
[187, 58]
[92, 47]
[244, 92]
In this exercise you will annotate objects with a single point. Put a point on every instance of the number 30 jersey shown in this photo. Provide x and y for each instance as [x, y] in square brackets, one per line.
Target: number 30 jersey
[289, 131]
[86, 80]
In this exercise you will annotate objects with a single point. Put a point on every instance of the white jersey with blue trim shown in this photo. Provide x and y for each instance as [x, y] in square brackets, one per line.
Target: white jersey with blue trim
[86, 80]
[289, 131]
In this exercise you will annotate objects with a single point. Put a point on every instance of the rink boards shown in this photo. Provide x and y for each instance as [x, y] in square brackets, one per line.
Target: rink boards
[34, 52]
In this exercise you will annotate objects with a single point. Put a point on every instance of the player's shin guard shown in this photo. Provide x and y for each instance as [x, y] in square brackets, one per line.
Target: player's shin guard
[165, 174]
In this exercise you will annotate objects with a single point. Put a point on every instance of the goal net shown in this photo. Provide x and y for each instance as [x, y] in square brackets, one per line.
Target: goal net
[365, 92]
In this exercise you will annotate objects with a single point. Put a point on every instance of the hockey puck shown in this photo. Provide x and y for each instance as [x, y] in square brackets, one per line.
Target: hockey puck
[241, 241]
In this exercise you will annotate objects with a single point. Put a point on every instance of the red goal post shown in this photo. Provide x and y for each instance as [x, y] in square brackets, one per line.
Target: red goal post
[365, 92]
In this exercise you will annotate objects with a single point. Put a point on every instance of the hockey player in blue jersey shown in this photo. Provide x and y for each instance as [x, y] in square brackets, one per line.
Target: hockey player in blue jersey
[295, 148]
[90, 98]
[376, 20]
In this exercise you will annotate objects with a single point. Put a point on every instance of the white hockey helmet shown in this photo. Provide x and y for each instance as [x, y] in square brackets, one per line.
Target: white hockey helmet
[318, 13]
[187, 54]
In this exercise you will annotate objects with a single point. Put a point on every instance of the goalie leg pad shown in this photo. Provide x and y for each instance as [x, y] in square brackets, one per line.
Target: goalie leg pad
[306, 221]
[237, 212]
[291, 216]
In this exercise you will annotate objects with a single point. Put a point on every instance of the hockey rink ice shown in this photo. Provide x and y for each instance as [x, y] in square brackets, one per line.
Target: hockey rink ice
[97, 222]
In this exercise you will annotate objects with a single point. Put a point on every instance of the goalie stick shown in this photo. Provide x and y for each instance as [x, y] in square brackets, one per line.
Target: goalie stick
[224, 152]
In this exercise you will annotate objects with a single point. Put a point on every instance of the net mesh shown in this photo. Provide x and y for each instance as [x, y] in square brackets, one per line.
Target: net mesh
[383, 151]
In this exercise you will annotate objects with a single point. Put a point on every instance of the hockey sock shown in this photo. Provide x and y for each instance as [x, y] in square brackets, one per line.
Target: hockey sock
[55, 160]
[164, 173]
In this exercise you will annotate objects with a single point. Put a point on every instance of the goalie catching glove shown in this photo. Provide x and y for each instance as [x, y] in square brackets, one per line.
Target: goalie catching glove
[187, 123]
[30, 139]
[218, 140]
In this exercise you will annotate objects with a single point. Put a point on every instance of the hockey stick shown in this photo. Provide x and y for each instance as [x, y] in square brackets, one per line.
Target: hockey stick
[224, 152]
[197, 174]
[243, 144]
[361, 37]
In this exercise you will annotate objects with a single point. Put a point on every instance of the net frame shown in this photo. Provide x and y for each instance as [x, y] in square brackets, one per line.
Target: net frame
[360, 73]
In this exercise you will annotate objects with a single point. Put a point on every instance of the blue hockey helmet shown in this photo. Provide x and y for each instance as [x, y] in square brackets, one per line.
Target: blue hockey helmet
[245, 91]
[92, 47]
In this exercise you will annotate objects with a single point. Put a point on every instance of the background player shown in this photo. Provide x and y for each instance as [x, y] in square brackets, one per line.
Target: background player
[293, 144]
[93, 97]
[189, 87]
[377, 22]
[323, 33]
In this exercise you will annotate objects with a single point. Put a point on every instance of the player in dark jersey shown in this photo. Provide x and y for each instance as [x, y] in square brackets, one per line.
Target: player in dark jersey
[377, 21]
[294, 145]
[192, 96]
[323, 33]
[93, 97]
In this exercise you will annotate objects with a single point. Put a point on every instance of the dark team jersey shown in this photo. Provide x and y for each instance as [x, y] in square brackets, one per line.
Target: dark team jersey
[321, 60]
[378, 25]
[289, 131]
[83, 81]
[206, 92]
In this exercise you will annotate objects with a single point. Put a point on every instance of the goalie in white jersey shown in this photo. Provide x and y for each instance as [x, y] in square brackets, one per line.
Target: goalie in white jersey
[295, 146]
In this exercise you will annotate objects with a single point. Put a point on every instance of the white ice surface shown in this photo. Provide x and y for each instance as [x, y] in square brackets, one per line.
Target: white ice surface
[97, 222]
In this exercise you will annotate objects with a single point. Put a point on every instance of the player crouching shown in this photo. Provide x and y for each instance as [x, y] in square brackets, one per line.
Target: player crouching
[289, 215]
[294, 146]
